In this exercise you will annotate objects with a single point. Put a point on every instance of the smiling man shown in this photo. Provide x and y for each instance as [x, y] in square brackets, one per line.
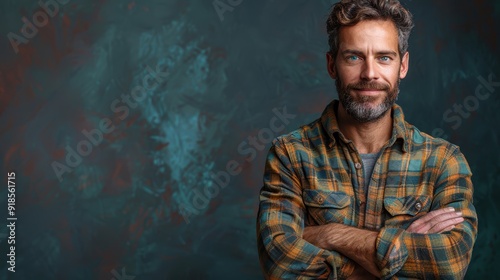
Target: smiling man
[360, 193]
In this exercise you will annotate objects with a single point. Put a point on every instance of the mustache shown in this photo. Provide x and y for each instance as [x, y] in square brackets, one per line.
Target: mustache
[368, 86]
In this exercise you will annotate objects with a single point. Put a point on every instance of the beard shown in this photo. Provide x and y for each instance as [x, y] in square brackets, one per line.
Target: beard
[360, 108]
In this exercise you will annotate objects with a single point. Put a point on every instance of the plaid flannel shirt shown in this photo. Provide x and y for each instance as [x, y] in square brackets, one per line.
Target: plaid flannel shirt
[314, 176]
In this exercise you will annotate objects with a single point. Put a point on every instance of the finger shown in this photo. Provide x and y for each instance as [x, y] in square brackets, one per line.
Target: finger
[431, 215]
[446, 229]
[439, 227]
[446, 219]
[423, 227]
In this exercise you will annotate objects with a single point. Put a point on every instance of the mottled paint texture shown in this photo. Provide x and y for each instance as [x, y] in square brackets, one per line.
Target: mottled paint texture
[123, 206]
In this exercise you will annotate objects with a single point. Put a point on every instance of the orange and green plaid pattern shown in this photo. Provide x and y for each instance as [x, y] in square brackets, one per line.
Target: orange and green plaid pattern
[314, 176]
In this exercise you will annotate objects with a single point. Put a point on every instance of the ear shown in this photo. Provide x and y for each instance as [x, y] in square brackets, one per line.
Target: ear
[330, 65]
[404, 65]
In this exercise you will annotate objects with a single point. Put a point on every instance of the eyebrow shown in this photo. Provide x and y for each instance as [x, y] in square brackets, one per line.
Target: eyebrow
[359, 53]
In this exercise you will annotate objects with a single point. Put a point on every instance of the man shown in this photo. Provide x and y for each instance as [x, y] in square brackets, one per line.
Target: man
[360, 193]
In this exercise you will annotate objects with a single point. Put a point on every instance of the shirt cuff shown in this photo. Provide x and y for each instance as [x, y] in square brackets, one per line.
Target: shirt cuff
[391, 251]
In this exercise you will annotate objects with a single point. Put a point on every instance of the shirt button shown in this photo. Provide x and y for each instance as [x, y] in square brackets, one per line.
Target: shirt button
[418, 206]
[357, 165]
[320, 200]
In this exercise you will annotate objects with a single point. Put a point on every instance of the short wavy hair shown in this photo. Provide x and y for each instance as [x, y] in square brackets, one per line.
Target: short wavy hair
[350, 12]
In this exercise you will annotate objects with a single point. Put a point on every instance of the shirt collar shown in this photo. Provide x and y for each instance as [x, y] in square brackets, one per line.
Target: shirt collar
[399, 129]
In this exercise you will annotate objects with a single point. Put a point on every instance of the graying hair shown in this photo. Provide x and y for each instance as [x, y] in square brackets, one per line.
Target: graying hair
[350, 12]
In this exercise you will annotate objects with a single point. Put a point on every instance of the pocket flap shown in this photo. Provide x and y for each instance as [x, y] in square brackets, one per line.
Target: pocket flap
[325, 198]
[407, 205]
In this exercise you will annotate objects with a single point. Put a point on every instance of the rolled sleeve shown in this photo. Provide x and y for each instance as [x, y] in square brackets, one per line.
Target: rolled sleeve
[283, 253]
[440, 255]
[391, 251]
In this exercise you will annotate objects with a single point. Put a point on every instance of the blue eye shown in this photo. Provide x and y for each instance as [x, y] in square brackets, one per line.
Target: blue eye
[385, 58]
[352, 57]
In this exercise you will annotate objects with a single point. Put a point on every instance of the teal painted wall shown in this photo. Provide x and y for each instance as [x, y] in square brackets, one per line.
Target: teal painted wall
[117, 116]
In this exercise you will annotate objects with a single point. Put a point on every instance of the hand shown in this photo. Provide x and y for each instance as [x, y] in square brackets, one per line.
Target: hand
[313, 234]
[356, 244]
[437, 221]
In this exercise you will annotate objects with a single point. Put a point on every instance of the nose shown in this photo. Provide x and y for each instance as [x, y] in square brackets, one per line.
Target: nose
[369, 71]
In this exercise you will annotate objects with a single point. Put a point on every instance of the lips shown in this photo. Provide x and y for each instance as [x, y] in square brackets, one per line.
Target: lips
[369, 90]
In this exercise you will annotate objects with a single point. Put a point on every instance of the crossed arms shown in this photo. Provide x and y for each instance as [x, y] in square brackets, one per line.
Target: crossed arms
[437, 245]
[359, 245]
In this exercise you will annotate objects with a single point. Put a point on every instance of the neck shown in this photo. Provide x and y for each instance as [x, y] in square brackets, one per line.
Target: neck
[367, 137]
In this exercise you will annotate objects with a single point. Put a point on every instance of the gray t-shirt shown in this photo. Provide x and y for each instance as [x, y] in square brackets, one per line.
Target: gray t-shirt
[368, 165]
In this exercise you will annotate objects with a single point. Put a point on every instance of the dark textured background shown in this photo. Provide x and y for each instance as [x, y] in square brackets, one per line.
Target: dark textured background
[123, 208]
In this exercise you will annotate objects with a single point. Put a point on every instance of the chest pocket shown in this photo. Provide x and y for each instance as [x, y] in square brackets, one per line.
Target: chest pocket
[403, 211]
[325, 206]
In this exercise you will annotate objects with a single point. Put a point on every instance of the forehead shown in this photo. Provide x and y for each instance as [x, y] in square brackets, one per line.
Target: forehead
[369, 34]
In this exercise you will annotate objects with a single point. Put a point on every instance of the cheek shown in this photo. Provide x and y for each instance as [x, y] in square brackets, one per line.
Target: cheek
[391, 76]
[349, 75]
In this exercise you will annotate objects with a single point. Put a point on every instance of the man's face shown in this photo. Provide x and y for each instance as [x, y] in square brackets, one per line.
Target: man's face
[368, 68]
